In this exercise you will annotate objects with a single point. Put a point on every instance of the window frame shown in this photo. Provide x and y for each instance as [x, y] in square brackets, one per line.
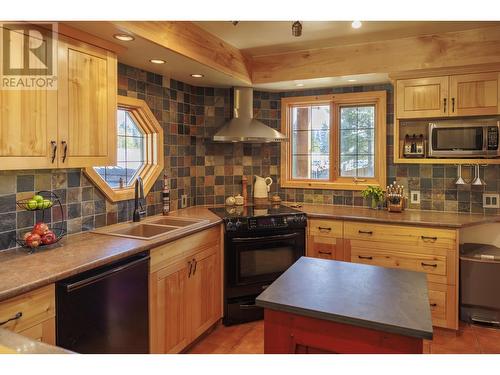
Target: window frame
[336, 101]
[153, 145]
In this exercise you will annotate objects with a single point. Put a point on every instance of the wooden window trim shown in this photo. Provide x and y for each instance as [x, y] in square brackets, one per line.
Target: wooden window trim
[336, 101]
[153, 142]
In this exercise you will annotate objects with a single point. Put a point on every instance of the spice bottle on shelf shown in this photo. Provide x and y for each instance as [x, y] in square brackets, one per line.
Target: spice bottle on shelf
[165, 194]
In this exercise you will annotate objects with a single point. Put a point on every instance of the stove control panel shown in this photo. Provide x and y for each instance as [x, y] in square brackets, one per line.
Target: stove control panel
[266, 222]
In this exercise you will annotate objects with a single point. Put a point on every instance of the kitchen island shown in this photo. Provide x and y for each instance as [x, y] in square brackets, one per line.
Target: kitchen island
[327, 306]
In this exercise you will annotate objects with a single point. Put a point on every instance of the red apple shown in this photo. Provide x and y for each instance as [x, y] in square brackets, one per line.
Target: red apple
[40, 228]
[33, 240]
[26, 235]
[49, 237]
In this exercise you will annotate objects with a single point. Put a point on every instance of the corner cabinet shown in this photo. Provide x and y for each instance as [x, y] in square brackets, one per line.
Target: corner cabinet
[473, 94]
[185, 290]
[73, 126]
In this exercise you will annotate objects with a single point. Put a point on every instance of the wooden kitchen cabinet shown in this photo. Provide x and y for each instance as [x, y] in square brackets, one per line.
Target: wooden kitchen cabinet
[36, 311]
[472, 94]
[324, 239]
[71, 126]
[185, 290]
[422, 97]
[87, 105]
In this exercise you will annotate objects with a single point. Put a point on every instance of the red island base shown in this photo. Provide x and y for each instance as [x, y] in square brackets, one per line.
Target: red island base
[286, 333]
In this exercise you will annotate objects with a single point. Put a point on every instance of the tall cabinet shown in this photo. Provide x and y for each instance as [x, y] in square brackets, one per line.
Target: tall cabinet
[71, 126]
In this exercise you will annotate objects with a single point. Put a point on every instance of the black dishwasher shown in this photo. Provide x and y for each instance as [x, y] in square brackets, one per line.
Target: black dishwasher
[105, 310]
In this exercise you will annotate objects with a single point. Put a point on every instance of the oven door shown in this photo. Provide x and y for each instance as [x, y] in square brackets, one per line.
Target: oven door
[259, 259]
[457, 140]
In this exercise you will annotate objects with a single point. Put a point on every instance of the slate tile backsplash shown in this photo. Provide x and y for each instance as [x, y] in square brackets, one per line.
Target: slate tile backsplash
[208, 172]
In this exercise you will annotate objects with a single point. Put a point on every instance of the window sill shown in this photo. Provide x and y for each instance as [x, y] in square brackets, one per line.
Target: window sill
[330, 185]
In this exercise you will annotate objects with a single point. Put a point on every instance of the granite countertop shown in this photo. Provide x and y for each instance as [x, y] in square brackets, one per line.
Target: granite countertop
[21, 272]
[13, 343]
[408, 217]
[385, 299]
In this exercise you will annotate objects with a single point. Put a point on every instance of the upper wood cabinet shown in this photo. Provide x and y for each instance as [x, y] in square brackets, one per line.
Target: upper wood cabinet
[73, 126]
[474, 94]
[422, 97]
[471, 94]
[87, 105]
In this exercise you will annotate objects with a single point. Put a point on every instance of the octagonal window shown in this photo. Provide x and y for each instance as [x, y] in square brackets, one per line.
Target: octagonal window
[139, 152]
[130, 150]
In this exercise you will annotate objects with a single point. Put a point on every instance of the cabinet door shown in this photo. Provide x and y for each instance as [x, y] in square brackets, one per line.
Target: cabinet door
[422, 97]
[325, 247]
[169, 330]
[204, 291]
[474, 94]
[28, 128]
[87, 105]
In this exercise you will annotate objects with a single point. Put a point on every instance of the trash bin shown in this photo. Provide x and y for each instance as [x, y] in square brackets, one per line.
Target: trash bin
[480, 284]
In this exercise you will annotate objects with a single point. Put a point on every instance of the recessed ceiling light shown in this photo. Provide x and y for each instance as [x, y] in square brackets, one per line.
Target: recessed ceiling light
[299, 84]
[351, 80]
[124, 37]
[197, 75]
[157, 61]
[356, 24]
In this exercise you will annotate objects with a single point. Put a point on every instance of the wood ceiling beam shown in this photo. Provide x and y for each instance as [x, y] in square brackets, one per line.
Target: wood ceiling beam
[451, 49]
[190, 40]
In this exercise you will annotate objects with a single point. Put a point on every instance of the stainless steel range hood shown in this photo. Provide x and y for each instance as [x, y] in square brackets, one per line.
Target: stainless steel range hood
[243, 127]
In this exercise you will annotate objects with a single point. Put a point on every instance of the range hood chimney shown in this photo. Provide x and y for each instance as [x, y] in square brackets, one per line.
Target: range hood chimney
[243, 127]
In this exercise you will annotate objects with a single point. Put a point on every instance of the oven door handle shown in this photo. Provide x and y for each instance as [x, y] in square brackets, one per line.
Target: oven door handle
[265, 238]
[250, 306]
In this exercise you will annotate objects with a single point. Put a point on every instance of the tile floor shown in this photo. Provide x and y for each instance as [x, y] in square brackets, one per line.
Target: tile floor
[249, 339]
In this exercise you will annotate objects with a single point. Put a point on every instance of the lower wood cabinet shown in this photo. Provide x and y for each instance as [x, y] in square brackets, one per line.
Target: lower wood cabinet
[423, 249]
[32, 314]
[185, 290]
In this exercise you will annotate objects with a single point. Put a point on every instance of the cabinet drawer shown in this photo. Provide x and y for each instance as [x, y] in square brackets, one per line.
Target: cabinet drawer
[430, 264]
[437, 302]
[325, 247]
[326, 228]
[402, 235]
[36, 307]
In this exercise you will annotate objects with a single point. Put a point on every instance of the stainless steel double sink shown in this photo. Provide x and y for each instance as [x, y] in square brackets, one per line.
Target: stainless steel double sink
[153, 227]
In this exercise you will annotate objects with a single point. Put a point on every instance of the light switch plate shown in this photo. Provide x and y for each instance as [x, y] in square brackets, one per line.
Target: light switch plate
[491, 200]
[184, 200]
[415, 196]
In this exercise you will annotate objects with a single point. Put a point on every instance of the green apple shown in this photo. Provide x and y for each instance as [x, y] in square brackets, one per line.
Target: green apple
[32, 204]
[38, 198]
[39, 205]
[46, 203]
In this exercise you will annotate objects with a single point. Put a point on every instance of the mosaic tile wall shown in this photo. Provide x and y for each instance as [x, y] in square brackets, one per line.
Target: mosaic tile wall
[208, 172]
[226, 163]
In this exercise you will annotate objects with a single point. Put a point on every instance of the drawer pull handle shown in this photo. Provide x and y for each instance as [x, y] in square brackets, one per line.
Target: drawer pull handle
[324, 228]
[364, 257]
[325, 252]
[433, 304]
[429, 239]
[428, 265]
[15, 317]
[365, 232]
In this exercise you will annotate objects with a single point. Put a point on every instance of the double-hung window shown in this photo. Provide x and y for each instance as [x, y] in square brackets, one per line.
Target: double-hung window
[336, 141]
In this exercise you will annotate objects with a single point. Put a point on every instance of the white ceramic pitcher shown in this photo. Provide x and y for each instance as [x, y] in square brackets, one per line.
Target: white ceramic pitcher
[262, 187]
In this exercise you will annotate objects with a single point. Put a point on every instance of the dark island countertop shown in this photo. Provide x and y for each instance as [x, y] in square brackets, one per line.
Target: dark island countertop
[407, 217]
[384, 299]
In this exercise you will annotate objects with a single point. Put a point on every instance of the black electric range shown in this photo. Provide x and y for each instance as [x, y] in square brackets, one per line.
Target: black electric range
[260, 244]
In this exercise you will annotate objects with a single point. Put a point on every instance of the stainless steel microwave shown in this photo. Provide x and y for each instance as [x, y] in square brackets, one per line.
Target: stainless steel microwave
[477, 138]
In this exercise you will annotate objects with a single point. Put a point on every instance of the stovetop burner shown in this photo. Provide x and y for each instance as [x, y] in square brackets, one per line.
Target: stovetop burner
[230, 212]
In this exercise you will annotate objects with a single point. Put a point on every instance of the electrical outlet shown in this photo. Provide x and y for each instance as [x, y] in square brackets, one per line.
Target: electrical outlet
[184, 200]
[415, 197]
[491, 200]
